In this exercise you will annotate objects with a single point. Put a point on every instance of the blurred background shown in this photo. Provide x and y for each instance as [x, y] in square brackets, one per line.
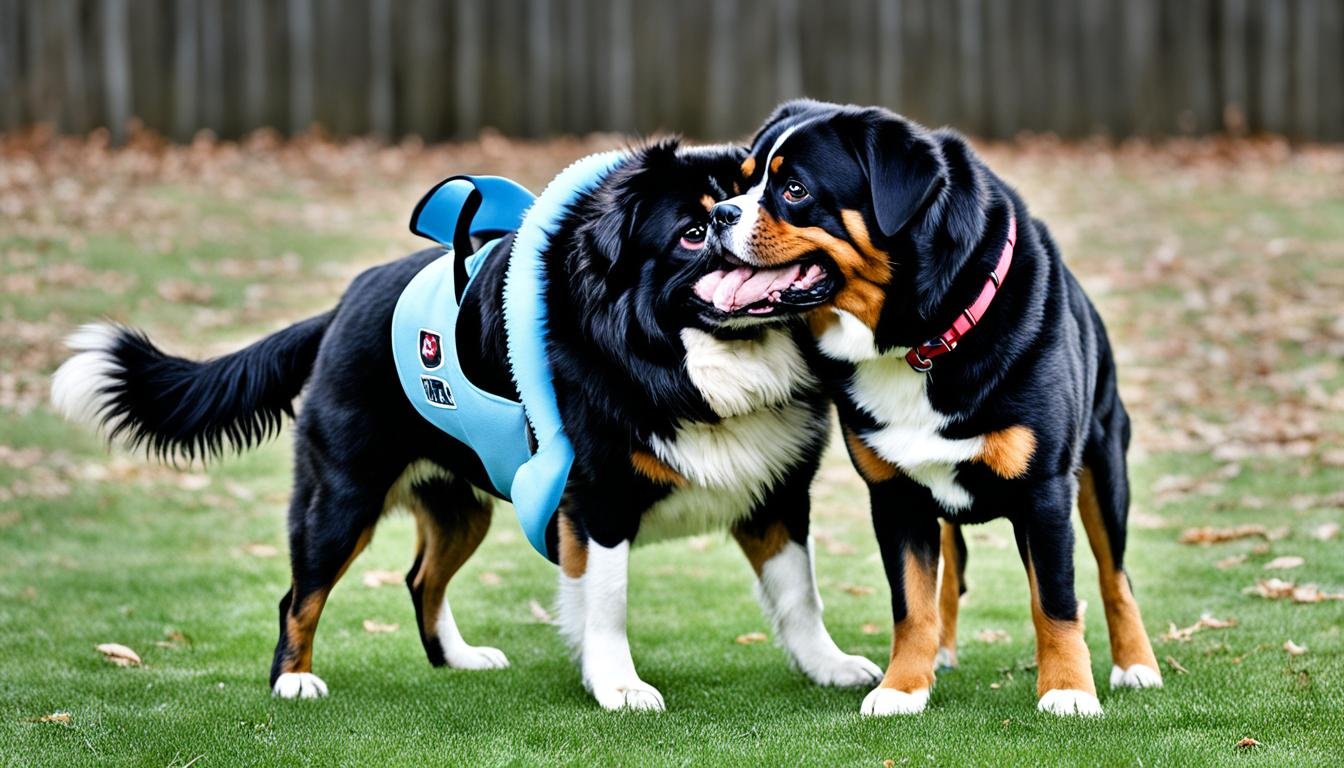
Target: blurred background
[706, 68]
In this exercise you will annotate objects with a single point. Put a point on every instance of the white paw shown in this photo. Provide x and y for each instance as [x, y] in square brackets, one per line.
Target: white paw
[475, 657]
[637, 695]
[299, 685]
[1067, 701]
[1137, 676]
[844, 671]
[889, 701]
[946, 659]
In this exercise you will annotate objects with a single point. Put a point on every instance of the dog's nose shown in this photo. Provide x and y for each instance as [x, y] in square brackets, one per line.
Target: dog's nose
[725, 215]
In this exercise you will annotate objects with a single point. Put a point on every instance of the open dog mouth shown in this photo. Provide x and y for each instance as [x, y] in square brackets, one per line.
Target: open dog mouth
[743, 290]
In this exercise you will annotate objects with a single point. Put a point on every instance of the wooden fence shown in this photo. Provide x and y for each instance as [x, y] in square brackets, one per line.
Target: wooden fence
[707, 68]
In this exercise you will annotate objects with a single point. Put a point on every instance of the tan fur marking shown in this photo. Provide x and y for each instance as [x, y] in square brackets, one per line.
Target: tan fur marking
[1062, 658]
[443, 554]
[573, 550]
[949, 592]
[707, 202]
[759, 548]
[748, 167]
[301, 622]
[914, 640]
[1008, 451]
[1129, 642]
[656, 469]
[775, 162]
[873, 468]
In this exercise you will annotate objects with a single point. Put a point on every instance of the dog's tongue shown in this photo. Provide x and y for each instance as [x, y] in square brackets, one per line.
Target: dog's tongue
[732, 289]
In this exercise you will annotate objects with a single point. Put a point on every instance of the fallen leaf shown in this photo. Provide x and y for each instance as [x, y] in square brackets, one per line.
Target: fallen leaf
[1230, 562]
[491, 579]
[994, 686]
[378, 628]
[1210, 535]
[1278, 589]
[174, 639]
[539, 612]
[1294, 649]
[858, 590]
[118, 654]
[1205, 622]
[888, 763]
[376, 578]
[1176, 665]
[1247, 743]
[751, 638]
[1325, 531]
[992, 636]
[55, 717]
[870, 629]
[1284, 563]
[261, 550]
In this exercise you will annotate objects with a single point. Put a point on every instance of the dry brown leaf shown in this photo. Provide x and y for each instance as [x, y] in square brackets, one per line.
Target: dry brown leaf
[118, 654]
[539, 612]
[1176, 665]
[1325, 531]
[491, 579]
[1230, 562]
[1284, 563]
[377, 578]
[1247, 743]
[888, 763]
[1210, 535]
[55, 717]
[1294, 649]
[992, 636]
[261, 550]
[858, 590]
[379, 628]
[1278, 589]
[751, 638]
[1205, 622]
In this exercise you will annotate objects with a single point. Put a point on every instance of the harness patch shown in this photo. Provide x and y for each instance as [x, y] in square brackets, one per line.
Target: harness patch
[437, 392]
[431, 349]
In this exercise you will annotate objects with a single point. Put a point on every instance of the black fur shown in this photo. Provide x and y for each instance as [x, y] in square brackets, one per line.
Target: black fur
[1038, 358]
[618, 295]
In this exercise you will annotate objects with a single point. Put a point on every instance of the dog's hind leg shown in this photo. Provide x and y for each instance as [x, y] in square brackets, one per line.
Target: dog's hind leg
[952, 585]
[451, 519]
[1103, 503]
[330, 524]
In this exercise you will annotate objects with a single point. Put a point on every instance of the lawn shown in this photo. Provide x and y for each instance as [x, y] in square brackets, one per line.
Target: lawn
[1219, 268]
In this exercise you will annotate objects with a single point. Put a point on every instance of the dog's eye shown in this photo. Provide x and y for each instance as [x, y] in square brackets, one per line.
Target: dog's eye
[795, 192]
[693, 239]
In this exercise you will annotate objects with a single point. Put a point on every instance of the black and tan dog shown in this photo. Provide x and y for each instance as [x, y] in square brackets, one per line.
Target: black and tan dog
[683, 417]
[973, 377]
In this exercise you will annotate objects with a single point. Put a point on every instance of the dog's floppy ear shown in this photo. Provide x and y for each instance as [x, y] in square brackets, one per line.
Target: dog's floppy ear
[905, 169]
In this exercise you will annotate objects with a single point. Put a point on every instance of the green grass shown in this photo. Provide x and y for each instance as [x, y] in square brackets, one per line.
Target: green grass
[176, 564]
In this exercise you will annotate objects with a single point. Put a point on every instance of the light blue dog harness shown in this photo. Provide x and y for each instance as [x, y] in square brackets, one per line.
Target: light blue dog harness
[424, 333]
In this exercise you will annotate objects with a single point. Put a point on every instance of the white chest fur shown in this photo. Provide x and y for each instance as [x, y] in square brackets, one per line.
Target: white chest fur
[910, 430]
[762, 433]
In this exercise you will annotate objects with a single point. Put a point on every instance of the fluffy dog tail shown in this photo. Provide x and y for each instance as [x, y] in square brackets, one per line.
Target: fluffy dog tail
[175, 407]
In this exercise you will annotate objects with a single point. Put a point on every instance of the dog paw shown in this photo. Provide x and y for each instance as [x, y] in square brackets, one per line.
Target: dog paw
[946, 659]
[299, 685]
[1137, 676]
[1068, 702]
[844, 671]
[881, 702]
[636, 695]
[475, 657]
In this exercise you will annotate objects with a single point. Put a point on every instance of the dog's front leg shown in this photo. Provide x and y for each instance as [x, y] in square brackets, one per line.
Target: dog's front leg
[592, 607]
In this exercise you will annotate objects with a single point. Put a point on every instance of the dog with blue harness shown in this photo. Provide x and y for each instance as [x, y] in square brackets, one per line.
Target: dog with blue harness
[565, 353]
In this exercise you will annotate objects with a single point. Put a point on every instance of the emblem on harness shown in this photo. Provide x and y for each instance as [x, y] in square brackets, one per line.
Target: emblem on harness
[431, 350]
[437, 392]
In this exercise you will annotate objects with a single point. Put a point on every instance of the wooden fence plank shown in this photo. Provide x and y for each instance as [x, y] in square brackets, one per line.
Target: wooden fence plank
[709, 68]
